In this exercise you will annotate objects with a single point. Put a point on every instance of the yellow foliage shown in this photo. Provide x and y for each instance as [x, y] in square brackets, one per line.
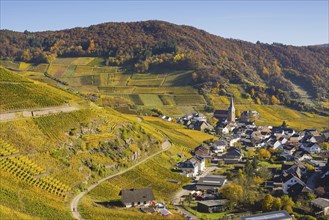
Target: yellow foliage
[274, 100]
[179, 57]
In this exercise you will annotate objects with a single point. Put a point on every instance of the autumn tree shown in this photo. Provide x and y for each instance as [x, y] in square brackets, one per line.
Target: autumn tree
[284, 124]
[267, 203]
[252, 92]
[264, 154]
[274, 100]
[91, 45]
[287, 203]
[277, 204]
[233, 192]
[266, 72]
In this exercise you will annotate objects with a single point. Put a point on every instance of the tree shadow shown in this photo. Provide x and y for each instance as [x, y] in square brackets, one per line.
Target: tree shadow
[111, 204]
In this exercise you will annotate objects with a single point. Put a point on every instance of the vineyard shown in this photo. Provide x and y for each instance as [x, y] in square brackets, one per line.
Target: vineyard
[17, 92]
[26, 170]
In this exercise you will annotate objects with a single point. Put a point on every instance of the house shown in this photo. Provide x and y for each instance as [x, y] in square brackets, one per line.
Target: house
[311, 147]
[325, 135]
[136, 197]
[312, 132]
[291, 177]
[302, 155]
[249, 116]
[202, 126]
[295, 138]
[219, 146]
[211, 182]
[202, 151]
[201, 163]
[277, 215]
[288, 131]
[211, 206]
[290, 148]
[193, 166]
[189, 167]
[233, 155]
[233, 139]
[277, 131]
[320, 206]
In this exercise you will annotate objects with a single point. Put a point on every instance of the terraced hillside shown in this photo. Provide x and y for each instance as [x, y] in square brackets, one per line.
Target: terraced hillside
[175, 97]
[18, 92]
[115, 87]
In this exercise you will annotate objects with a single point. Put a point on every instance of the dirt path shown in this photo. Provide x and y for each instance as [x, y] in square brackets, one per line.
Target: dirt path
[74, 204]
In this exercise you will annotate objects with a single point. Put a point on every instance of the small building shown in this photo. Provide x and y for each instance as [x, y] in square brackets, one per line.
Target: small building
[211, 182]
[232, 156]
[136, 197]
[249, 116]
[211, 206]
[219, 146]
[321, 206]
[202, 151]
[277, 215]
[189, 167]
[311, 147]
[202, 126]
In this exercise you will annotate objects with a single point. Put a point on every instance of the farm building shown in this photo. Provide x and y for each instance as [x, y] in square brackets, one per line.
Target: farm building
[277, 215]
[211, 206]
[136, 197]
[211, 182]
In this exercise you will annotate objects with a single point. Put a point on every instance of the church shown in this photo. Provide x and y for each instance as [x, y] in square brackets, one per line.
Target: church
[228, 115]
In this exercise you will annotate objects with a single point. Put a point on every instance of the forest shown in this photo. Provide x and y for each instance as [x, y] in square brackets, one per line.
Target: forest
[157, 45]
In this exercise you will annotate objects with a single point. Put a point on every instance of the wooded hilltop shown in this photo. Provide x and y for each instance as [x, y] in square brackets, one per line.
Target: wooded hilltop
[155, 45]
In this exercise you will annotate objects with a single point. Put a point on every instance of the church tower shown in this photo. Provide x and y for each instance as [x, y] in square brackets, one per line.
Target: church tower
[231, 112]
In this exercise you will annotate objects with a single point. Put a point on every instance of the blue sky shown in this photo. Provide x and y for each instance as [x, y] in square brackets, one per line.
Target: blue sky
[289, 22]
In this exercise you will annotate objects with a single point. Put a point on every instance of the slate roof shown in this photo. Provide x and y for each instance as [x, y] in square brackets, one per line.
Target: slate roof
[211, 203]
[321, 202]
[211, 180]
[191, 163]
[277, 215]
[136, 195]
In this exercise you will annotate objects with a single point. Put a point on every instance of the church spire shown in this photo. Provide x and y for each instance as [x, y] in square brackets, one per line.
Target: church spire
[231, 111]
[231, 105]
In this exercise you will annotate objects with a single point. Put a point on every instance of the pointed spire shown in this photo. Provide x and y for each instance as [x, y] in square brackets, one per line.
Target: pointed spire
[232, 104]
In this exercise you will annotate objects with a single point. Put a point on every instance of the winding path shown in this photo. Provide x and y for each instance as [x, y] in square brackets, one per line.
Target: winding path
[74, 204]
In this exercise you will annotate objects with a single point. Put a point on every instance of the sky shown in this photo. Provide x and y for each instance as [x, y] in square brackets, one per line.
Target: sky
[294, 22]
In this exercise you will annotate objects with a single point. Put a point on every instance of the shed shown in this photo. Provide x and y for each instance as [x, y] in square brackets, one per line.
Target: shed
[211, 206]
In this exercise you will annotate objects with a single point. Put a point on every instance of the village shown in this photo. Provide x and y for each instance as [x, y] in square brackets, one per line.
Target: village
[286, 164]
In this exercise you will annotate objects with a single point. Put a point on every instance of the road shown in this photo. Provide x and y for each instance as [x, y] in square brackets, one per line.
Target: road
[74, 204]
[186, 191]
[27, 113]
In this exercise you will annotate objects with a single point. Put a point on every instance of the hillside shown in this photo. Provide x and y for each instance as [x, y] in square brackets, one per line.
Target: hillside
[19, 93]
[156, 45]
